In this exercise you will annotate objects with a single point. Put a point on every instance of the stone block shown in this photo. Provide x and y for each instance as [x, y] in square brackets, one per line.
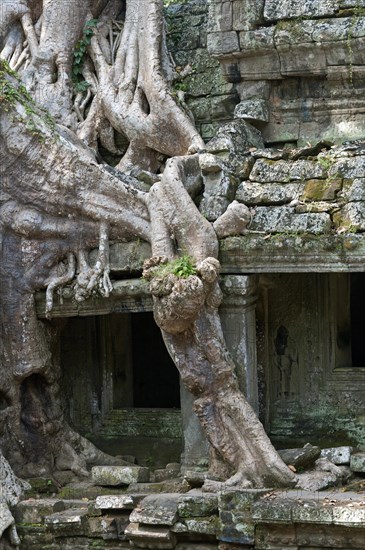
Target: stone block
[33, 511]
[349, 515]
[321, 190]
[286, 9]
[69, 522]
[220, 43]
[197, 505]
[114, 502]
[337, 455]
[353, 190]
[275, 536]
[220, 16]
[253, 193]
[247, 14]
[317, 480]
[126, 257]
[156, 510]
[284, 219]
[113, 476]
[252, 109]
[348, 168]
[284, 171]
[351, 217]
[210, 163]
[203, 526]
[300, 458]
[235, 137]
[357, 462]
[236, 527]
[103, 527]
[276, 511]
[311, 512]
[239, 501]
[147, 536]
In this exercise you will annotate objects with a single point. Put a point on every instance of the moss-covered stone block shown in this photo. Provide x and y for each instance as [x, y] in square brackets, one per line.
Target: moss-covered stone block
[321, 190]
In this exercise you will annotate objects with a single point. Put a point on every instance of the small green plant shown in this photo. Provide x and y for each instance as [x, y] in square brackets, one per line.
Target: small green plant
[81, 85]
[181, 267]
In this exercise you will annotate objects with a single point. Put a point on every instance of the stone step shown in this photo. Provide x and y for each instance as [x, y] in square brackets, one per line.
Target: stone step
[148, 536]
[69, 522]
[157, 510]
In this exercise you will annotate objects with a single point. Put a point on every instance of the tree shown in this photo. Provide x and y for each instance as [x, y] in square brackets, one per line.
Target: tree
[73, 76]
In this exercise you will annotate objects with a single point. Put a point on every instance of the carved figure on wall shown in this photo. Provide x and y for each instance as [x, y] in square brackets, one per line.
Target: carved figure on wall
[287, 363]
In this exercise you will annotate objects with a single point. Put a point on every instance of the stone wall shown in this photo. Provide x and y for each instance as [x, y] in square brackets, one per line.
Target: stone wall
[199, 78]
[298, 66]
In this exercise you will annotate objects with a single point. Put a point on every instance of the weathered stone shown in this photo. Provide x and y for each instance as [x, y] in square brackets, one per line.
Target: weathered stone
[114, 502]
[156, 510]
[223, 42]
[316, 207]
[350, 516]
[300, 458]
[348, 168]
[235, 137]
[311, 511]
[234, 221]
[111, 476]
[337, 455]
[317, 480]
[357, 462]
[252, 109]
[351, 217]
[246, 14]
[267, 171]
[239, 501]
[197, 505]
[321, 190]
[68, 522]
[203, 526]
[168, 486]
[126, 257]
[353, 190]
[297, 8]
[284, 219]
[104, 526]
[219, 191]
[236, 528]
[42, 485]
[147, 536]
[253, 193]
[33, 511]
[210, 163]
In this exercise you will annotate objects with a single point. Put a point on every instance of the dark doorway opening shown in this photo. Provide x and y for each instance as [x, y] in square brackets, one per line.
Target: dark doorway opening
[155, 377]
[357, 308]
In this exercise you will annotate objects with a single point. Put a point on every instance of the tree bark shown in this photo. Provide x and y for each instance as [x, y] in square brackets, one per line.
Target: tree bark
[59, 200]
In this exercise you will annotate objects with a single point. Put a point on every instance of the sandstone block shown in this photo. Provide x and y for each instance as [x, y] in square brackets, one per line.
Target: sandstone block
[322, 190]
[357, 462]
[156, 510]
[267, 171]
[252, 109]
[112, 476]
[253, 193]
[337, 455]
[147, 536]
[285, 9]
[114, 502]
[352, 217]
[284, 219]
[197, 505]
[223, 42]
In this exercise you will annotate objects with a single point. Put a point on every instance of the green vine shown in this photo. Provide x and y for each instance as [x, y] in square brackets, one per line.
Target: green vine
[80, 85]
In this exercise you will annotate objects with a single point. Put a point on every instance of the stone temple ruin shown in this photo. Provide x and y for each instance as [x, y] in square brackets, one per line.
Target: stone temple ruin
[277, 92]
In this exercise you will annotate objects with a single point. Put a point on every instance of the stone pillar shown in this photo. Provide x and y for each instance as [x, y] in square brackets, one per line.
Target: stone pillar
[195, 445]
[239, 327]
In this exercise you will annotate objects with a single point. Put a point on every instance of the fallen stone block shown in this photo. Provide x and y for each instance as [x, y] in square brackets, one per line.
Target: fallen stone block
[197, 505]
[337, 455]
[114, 502]
[156, 510]
[33, 511]
[357, 463]
[300, 458]
[113, 476]
[69, 522]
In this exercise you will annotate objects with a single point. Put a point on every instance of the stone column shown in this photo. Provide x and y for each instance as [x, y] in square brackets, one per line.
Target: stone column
[239, 327]
[195, 445]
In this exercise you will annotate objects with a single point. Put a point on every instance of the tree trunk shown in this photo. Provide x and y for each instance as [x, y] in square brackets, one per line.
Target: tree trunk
[59, 200]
